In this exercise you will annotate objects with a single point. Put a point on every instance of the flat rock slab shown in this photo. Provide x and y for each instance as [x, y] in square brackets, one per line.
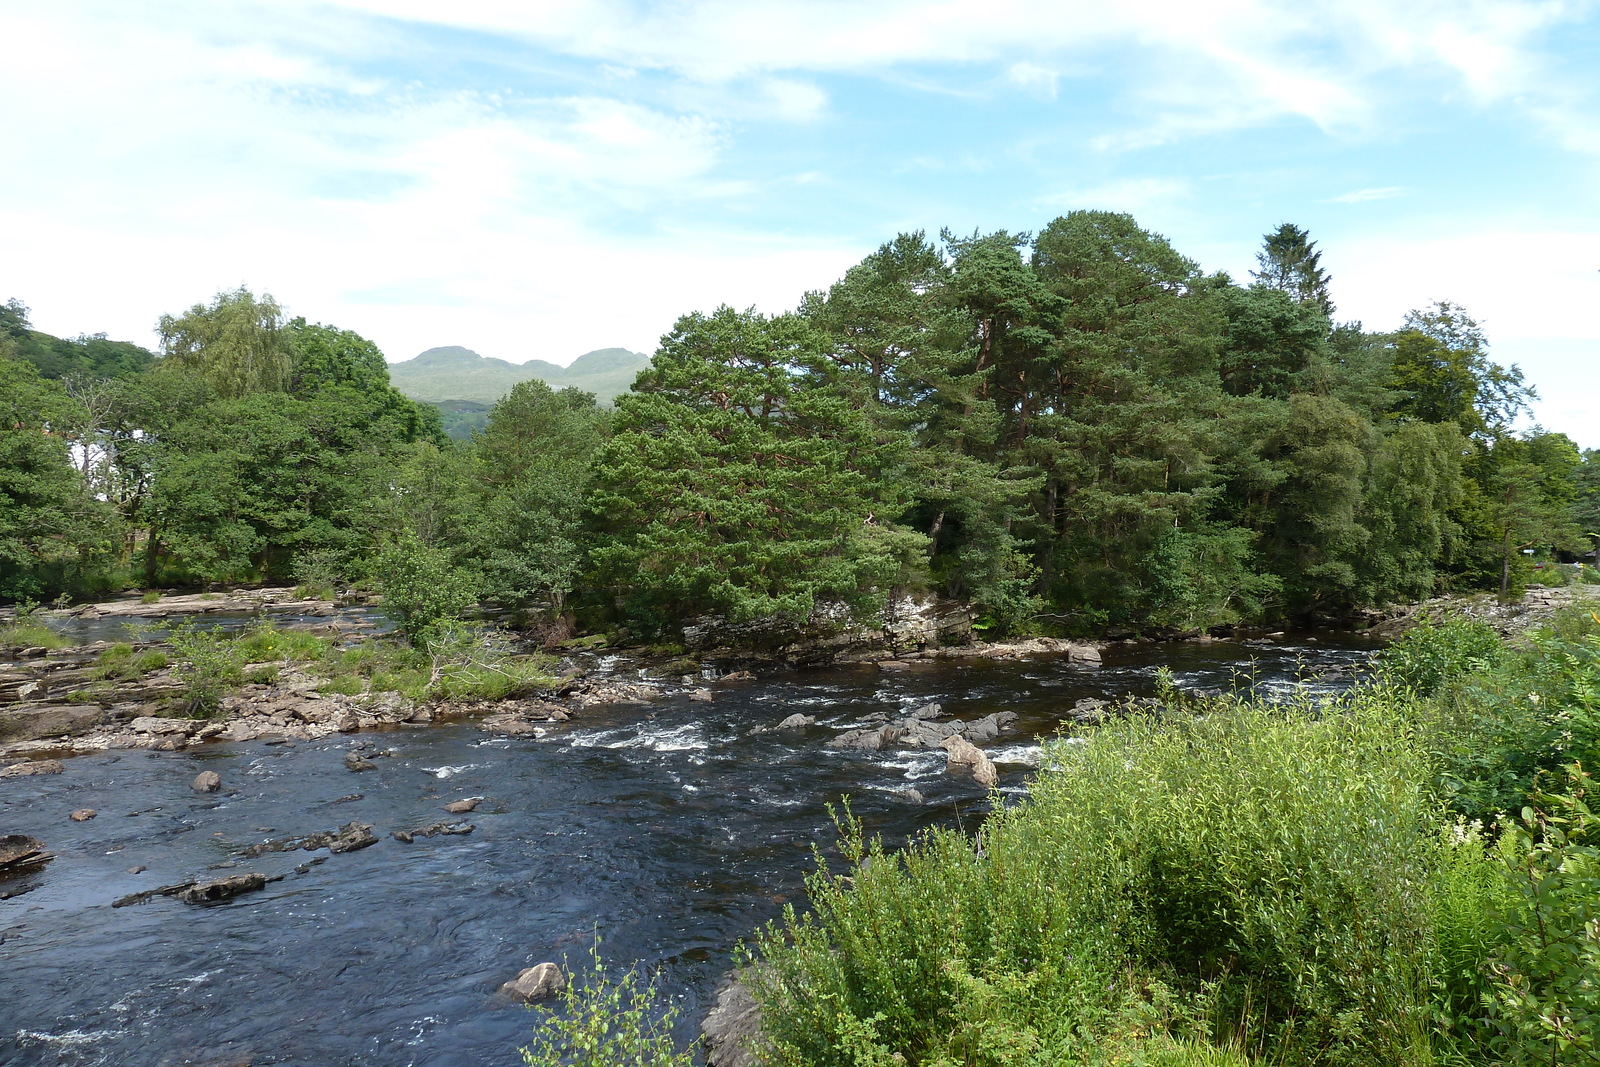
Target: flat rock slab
[34, 722]
[29, 768]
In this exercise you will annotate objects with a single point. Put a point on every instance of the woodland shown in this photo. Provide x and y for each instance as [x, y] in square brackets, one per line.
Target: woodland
[1074, 431]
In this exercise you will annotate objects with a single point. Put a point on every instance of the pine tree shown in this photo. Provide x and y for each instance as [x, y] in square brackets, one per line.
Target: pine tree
[1289, 260]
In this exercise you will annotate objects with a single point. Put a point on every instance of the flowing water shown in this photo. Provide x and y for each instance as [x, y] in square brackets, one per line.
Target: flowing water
[669, 832]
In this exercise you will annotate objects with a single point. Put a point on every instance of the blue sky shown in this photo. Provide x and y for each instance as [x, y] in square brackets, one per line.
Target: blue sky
[540, 179]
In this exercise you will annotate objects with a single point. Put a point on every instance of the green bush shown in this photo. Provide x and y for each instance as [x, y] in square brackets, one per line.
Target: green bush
[1280, 869]
[207, 663]
[1544, 1006]
[606, 1022]
[263, 641]
[1438, 650]
[421, 589]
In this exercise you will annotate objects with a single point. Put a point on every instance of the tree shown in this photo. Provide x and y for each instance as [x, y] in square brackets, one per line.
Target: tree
[531, 465]
[237, 344]
[1441, 371]
[1289, 261]
[741, 479]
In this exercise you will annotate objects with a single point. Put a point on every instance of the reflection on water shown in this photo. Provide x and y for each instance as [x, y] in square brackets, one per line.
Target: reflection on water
[671, 832]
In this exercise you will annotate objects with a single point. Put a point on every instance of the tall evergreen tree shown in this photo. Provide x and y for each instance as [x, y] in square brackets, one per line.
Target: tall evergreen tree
[1289, 260]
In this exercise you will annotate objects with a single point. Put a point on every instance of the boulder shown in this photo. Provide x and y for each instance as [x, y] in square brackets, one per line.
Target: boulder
[461, 807]
[927, 711]
[206, 782]
[988, 728]
[355, 761]
[152, 724]
[869, 739]
[732, 1026]
[702, 695]
[32, 767]
[796, 721]
[446, 828]
[83, 815]
[738, 676]
[19, 852]
[962, 757]
[536, 983]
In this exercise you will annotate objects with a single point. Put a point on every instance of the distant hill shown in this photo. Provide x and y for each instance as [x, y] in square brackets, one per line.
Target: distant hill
[456, 375]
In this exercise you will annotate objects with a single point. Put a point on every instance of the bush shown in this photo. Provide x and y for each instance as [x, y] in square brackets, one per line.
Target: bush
[1544, 1007]
[1280, 867]
[208, 665]
[421, 589]
[1438, 650]
[607, 1023]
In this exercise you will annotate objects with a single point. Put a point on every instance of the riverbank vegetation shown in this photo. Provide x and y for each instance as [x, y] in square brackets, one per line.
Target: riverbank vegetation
[1231, 882]
[1075, 431]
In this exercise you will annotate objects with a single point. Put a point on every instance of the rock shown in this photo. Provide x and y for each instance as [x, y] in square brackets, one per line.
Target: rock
[32, 767]
[222, 888]
[559, 715]
[347, 838]
[536, 983]
[206, 782]
[445, 828]
[461, 807]
[962, 757]
[738, 676]
[988, 728]
[151, 724]
[354, 761]
[511, 726]
[702, 695]
[1089, 710]
[869, 739]
[1087, 655]
[732, 1026]
[892, 664]
[137, 870]
[913, 795]
[927, 711]
[19, 852]
[796, 721]
[83, 815]
[31, 723]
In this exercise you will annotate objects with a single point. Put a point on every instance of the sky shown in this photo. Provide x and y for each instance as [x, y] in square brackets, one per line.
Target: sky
[539, 179]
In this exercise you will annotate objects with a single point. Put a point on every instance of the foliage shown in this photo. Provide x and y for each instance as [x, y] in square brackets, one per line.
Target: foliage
[208, 664]
[1440, 649]
[1279, 867]
[471, 663]
[1545, 1004]
[422, 591]
[236, 344]
[606, 1021]
[1290, 262]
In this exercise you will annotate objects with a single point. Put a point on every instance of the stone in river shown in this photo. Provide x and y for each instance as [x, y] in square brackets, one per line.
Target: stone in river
[83, 815]
[31, 767]
[963, 757]
[733, 1026]
[702, 695]
[535, 983]
[222, 888]
[206, 782]
[461, 807]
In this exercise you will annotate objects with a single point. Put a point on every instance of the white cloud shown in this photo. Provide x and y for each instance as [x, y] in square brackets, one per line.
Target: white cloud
[1133, 195]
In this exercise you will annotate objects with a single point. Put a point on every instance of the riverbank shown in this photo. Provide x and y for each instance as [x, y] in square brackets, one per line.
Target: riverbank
[65, 700]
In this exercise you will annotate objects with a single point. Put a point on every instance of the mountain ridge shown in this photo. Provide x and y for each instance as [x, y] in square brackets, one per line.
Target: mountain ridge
[454, 373]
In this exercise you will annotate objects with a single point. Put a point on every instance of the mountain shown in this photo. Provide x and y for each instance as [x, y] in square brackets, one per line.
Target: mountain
[455, 374]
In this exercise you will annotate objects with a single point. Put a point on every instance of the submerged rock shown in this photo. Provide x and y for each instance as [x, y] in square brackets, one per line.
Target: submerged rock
[206, 782]
[536, 983]
[83, 815]
[222, 888]
[461, 807]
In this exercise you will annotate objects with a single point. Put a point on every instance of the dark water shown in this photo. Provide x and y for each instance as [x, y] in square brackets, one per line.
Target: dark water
[667, 831]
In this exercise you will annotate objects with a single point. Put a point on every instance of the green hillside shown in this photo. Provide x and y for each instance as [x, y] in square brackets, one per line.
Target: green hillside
[456, 375]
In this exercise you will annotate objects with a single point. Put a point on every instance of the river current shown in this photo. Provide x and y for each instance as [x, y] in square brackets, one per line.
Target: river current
[669, 832]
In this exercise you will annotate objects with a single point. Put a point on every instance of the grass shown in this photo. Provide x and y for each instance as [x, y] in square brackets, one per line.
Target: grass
[28, 632]
[123, 662]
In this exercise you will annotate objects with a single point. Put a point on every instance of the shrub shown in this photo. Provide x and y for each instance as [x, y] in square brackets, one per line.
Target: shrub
[207, 664]
[421, 589]
[1280, 868]
[1544, 1007]
[606, 1022]
[1438, 650]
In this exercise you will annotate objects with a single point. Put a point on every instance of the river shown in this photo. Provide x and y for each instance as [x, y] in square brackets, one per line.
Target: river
[668, 831]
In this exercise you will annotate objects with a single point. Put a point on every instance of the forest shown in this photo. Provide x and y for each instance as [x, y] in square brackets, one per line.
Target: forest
[1074, 431]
